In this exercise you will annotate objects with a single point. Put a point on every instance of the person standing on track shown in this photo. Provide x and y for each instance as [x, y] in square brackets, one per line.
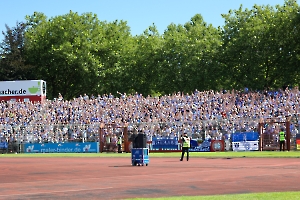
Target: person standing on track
[281, 139]
[120, 144]
[186, 143]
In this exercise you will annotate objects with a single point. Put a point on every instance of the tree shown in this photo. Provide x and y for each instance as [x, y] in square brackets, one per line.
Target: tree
[146, 59]
[62, 48]
[13, 64]
[287, 46]
[76, 54]
[113, 49]
[257, 46]
[189, 56]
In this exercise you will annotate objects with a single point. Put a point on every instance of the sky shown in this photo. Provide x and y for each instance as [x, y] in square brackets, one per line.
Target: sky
[139, 14]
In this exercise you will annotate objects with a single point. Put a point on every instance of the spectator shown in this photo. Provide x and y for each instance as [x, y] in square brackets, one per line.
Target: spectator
[214, 112]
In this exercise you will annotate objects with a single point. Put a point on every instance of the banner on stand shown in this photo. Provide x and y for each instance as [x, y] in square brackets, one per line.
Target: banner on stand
[217, 145]
[3, 145]
[298, 144]
[87, 147]
[245, 146]
[164, 143]
[202, 147]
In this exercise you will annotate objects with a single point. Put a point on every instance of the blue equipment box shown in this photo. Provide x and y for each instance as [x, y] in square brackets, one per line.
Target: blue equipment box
[140, 156]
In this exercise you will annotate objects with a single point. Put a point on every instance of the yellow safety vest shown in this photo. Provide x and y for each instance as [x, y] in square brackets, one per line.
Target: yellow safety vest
[120, 140]
[281, 136]
[186, 142]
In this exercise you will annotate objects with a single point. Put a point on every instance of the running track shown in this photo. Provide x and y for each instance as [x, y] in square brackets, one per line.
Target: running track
[115, 178]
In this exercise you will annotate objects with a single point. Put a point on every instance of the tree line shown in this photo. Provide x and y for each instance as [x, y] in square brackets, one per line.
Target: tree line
[257, 48]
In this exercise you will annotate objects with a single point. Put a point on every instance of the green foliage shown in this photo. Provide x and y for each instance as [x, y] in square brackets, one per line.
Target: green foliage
[76, 54]
[259, 45]
[63, 49]
[251, 196]
[144, 69]
[188, 57]
[13, 65]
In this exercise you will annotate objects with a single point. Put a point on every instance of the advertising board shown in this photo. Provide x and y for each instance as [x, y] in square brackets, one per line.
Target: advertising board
[24, 90]
[244, 136]
[88, 147]
[245, 141]
[202, 147]
[217, 145]
[245, 146]
[298, 144]
[3, 145]
[165, 143]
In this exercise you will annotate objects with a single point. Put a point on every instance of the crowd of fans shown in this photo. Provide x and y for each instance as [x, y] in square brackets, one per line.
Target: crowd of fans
[201, 114]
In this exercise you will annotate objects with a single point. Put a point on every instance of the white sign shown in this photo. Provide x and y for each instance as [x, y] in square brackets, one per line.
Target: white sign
[245, 146]
[23, 88]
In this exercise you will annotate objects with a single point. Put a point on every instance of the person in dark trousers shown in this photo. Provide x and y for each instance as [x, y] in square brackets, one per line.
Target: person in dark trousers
[281, 139]
[119, 144]
[186, 143]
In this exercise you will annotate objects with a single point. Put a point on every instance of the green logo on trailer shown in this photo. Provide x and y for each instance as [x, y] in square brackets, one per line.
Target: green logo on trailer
[34, 89]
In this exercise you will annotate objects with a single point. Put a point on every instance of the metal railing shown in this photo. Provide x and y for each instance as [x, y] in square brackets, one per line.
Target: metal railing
[198, 130]
[54, 133]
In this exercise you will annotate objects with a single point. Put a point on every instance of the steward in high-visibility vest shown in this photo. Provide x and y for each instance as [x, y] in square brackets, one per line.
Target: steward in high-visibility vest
[281, 136]
[119, 143]
[281, 139]
[186, 144]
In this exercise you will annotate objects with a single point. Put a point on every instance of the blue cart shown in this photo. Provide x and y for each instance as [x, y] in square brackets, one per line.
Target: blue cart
[140, 156]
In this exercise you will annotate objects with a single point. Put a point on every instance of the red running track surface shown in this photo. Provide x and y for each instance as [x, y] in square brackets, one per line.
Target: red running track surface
[115, 178]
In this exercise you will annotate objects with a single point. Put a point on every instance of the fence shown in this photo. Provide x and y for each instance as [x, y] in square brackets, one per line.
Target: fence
[164, 135]
[161, 135]
[271, 128]
[295, 131]
[37, 133]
